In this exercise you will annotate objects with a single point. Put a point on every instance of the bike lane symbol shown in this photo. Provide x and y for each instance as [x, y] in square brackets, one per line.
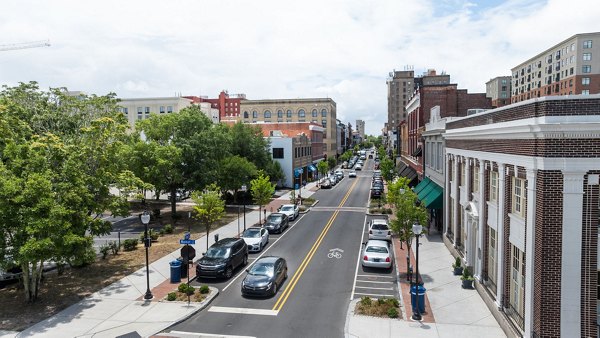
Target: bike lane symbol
[335, 253]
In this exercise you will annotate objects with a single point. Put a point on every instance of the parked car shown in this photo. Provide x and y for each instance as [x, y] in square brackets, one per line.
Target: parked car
[352, 173]
[376, 173]
[255, 238]
[326, 184]
[334, 180]
[345, 164]
[180, 195]
[291, 210]
[265, 277]
[339, 174]
[377, 184]
[376, 192]
[222, 258]
[358, 167]
[276, 222]
[379, 229]
[377, 254]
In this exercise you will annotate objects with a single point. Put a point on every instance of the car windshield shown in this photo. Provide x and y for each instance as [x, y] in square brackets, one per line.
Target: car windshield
[251, 233]
[217, 252]
[377, 249]
[274, 218]
[262, 269]
[287, 208]
[379, 226]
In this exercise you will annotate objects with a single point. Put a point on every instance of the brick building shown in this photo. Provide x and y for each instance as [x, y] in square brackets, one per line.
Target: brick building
[521, 207]
[498, 90]
[227, 105]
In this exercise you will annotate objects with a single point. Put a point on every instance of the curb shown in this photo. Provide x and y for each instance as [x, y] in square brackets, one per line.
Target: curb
[202, 306]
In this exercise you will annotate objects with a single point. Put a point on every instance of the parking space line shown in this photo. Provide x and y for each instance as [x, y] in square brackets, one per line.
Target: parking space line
[375, 294]
[375, 276]
[241, 310]
[368, 281]
[368, 287]
[200, 334]
[358, 258]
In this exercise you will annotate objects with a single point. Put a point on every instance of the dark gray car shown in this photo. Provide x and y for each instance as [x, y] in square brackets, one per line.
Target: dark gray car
[276, 222]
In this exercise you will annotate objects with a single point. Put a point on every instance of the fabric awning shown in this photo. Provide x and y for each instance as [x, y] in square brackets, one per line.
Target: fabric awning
[409, 173]
[312, 167]
[431, 196]
[422, 185]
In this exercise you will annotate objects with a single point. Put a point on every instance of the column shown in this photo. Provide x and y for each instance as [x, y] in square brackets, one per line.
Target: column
[570, 293]
[457, 199]
[482, 221]
[530, 250]
[446, 194]
[500, 234]
[467, 242]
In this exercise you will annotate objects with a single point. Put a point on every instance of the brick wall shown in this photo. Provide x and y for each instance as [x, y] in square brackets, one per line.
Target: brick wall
[549, 148]
[589, 260]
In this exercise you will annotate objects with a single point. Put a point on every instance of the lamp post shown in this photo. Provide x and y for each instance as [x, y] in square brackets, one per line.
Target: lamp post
[147, 242]
[417, 229]
[244, 190]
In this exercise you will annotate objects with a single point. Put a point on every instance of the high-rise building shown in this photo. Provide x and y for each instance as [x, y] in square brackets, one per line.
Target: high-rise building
[360, 128]
[566, 68]
[400, 86]
[498, 90]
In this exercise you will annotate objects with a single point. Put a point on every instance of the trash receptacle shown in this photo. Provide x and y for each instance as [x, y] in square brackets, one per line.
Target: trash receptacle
[175, 271]
[184, 267]
[413, 298]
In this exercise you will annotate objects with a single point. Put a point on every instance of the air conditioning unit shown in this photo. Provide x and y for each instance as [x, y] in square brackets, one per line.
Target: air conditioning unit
[474, 111]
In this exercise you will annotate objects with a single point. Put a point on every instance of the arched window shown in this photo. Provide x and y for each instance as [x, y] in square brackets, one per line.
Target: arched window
[324, 112]
[280, 113]
[267, 114]
[245, 114]
[301, 113]
[289, 113]
[254, 114]
[314, 113]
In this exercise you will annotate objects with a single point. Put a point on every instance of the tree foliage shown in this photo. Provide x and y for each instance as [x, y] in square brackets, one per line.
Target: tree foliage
[262, 191]
[234, 172]
[209, 207]
[408, 209]
[322, 168]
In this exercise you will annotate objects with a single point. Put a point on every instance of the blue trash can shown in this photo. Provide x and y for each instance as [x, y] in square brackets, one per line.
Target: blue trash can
[413, 298]
[175, 271]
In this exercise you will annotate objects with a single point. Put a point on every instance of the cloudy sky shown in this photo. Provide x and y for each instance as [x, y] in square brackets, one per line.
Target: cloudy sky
[271, 49]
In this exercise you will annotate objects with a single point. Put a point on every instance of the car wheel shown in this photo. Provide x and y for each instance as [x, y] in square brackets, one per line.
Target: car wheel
[260, 247]
[228, 272]
[245, 262]
[285, 277]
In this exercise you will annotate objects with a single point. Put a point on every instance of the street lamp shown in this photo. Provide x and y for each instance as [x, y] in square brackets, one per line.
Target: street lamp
[244, 190]
[147, 242]
[417, 229]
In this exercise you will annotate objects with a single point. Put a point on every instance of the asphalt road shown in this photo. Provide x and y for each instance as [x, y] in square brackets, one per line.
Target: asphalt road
[322, 249]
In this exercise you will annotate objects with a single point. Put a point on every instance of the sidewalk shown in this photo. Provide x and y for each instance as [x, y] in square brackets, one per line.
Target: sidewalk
[450, 310]
[119, 309]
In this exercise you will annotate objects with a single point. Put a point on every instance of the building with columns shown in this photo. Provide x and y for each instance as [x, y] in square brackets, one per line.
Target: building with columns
[521, 208]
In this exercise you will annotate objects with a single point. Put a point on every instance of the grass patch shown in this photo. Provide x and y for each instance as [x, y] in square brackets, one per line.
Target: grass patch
[196, 294]
[383, 307]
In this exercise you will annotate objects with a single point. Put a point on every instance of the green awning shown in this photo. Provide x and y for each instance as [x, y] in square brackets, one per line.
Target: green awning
[433, 199]
[421, 185]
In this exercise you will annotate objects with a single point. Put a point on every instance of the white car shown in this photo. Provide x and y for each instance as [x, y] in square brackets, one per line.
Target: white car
[377, 254]
[358, 167]
[291, 210]
[333, 179]
[255, 238]
[379, 229]
[339, 174]
[352, 173]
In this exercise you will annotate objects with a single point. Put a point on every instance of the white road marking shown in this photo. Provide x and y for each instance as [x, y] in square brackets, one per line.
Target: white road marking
[199, 334]
[367, 287]
[358, 259]
[377, 276]
[368, 281]
[245, 311]
[375, 295]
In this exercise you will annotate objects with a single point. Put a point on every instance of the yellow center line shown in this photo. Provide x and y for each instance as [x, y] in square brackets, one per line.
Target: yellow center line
[292, 284]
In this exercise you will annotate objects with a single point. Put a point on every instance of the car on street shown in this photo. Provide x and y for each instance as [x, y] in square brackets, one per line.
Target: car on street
[352, 173]
[377, 254]
[376, 192]
[291, 210]
[222, 258]
[358, 167]
[265, 276]
[326, 184]
[379, 229]
[276, 222]
[339, 174]
[334, 180]
[255, 238]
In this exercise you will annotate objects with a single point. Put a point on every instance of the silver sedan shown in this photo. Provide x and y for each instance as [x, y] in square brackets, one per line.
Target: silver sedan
[377, 254]
[255, 238]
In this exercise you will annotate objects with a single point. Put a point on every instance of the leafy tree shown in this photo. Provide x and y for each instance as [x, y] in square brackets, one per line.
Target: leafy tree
[387, 168]
[247, 141]
[209, 207]
[60, 157]
[234, 172]
[346, 155]
[275, 172]
[322, 168]
[331, 161]
[262, 190]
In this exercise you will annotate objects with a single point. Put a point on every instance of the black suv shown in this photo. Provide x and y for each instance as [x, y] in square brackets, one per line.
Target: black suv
[276, 222]
[222, 258]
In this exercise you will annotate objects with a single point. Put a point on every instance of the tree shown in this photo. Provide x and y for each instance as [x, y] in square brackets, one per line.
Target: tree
[247, 141]
[322, 167]
[209, 207]
[234, 171]
[262, 190]
[331, 162]
[387, 169]
[60, 158]
[275, 172]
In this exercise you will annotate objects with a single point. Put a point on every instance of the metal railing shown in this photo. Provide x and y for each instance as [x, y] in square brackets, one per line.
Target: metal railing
[515, 316]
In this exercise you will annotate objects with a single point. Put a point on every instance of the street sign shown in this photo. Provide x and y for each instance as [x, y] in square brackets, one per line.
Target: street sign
[187, 241]
[186, 236]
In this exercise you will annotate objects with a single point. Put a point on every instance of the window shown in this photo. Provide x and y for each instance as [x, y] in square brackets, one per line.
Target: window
[518, 200]
[587, 44]
[162, 109]
[517, 281]
[301, 113]
[324, 113]
[245, 114]
[277, 152]
[585, 92]
[147, 111]
[279, 113]
[462, 173]
[125, 110]
[475, 179]
[585, 81]
[289, 113]
[492, 245]
[324, 123]
[169, 109]
[254, 114]
[267, 114]
[140, 110]
[586, 69]
[587, 56]
[314, 113]
[494, 186]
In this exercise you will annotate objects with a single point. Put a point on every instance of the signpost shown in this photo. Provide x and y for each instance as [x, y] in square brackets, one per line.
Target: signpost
[189, 253]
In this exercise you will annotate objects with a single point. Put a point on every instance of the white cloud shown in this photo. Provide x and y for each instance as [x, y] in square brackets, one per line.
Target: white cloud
[278, 49]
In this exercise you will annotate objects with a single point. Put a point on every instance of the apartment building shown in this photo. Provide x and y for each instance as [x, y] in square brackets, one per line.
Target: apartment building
[360, 128]
[141, 108]
[567, 68]
[521, 206]
[498, 90]
[400, 86]
[321, 111]
[227, 105]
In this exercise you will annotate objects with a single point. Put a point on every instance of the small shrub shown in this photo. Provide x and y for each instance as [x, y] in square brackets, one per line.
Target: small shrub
[366, 301]
[114, 247]
[104, 249]
[151, 233]
[187, 289]
[182, 287]
[88, 256]
[204, 289]
[168, 229]
[162, 232]
[171, 296]
[130, 244]
[393, 302]
[457, 263]
[392, 312]
[381, 301]
[388, 211]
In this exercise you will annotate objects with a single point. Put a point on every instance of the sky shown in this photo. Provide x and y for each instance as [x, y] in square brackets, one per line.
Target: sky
[271, 49]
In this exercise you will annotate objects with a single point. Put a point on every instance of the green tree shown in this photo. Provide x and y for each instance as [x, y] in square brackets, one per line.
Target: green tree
[247, 141]
[387, 168]
[234, 172]
[262, 191]
[322, 167]
[331, 161]
[275, 172]
[209, 207]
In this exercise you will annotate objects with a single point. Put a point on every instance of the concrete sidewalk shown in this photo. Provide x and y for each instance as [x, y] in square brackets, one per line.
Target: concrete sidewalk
[119, 309]
[451, 310]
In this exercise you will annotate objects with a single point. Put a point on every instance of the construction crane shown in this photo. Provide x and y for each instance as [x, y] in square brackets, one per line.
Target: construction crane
[24, 45]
